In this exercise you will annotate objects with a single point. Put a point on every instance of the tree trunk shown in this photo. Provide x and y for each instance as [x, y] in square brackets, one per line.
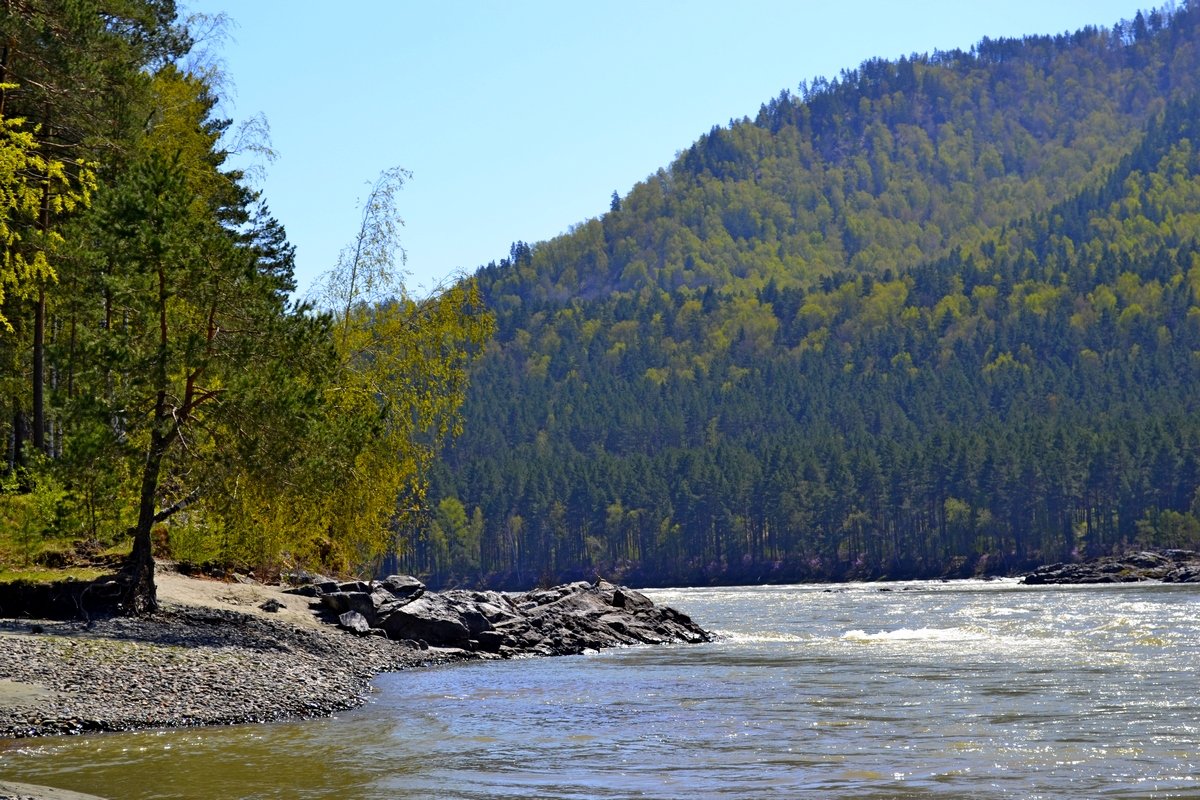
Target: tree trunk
[18, 435]
[39, 372]
[39, 339]
[140, 594]
[20, 422]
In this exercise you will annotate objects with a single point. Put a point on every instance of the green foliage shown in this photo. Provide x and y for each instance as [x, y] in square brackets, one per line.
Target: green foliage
[402, 382]
[932, 317]
[452, 542]
[151, 357]
[30, 181]
[30, 517]
[1169, 528]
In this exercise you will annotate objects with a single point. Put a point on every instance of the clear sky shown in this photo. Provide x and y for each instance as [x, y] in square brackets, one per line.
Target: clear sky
[518, 119]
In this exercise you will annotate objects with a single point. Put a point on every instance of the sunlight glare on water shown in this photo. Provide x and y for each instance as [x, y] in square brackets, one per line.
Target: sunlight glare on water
[916, 690]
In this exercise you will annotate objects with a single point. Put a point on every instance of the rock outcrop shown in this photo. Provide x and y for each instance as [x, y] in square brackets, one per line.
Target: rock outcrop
[1168, 566]
[563, 620]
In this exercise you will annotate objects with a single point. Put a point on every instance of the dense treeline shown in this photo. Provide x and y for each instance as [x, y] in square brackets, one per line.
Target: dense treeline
[156, 379]
[938, 316]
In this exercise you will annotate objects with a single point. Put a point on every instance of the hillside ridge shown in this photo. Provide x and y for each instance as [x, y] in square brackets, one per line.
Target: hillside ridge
[948, 329]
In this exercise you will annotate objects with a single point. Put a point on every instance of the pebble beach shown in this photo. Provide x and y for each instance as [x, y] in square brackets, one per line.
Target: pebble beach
[182, 666]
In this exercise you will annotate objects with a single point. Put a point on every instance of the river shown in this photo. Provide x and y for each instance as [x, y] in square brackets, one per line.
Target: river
[909, 690]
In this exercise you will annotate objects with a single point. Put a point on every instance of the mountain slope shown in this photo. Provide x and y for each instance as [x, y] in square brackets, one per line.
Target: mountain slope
[879, 169]
[937, 316]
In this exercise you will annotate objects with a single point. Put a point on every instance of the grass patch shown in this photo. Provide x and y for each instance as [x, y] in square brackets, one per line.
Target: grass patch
[45, 575]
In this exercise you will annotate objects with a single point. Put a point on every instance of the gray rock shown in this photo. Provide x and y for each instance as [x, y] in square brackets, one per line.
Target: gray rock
[1146, 560]
[29, 791]
[1184, 574]
[495, 614]
[302, 577]
[475, 620]
[403, 586]
[429, 618]
[560, 620]
[341, 602]
[490, 641]
[355, 623]
[385, 602]
[629, 599]
[1168, 566]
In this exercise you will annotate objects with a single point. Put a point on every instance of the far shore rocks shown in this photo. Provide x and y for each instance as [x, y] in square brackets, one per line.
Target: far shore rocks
[1168, 566]
[563, 620]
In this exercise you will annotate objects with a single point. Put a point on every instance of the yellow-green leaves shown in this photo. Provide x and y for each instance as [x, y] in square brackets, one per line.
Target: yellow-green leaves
[404, 373]
[32, 187]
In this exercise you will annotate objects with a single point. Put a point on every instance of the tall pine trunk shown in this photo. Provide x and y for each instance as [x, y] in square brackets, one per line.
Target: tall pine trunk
[39, 372]
[140, 594]
[39, 338]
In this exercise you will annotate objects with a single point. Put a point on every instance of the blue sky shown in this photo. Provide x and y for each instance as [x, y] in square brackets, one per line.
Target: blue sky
[519, 119]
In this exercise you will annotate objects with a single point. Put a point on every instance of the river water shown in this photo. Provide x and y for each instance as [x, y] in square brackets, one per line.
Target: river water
[911, 690]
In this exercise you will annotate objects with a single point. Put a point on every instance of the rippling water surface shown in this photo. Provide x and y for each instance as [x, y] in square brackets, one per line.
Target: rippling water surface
[917, 690]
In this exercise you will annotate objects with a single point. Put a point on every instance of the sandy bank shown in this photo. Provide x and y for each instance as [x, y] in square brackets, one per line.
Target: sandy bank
[10, 790]
[211, 656]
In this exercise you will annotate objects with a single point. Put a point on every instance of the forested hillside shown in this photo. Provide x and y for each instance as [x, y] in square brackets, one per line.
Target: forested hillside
[937, 316]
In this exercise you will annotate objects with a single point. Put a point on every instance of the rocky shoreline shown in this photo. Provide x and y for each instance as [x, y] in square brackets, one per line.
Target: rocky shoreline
[563, 620]
[1168, 566]
[192, 665]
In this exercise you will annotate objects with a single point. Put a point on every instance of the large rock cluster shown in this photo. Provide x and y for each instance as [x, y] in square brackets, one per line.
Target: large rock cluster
[1168, 566]
[563, 620]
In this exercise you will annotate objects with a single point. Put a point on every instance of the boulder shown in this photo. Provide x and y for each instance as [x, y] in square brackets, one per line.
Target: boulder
[355, 623]
[428, 618]
[1183, 574]
[490, 641]
[495, 614]
[1146, 560]
[403, 586]
[305, 583]
[475, 620]
[581, 616]
[341, 602]
[630, 600]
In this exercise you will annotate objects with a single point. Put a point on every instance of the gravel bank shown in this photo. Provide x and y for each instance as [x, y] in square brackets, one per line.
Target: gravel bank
[183, 666]
[28, 791]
